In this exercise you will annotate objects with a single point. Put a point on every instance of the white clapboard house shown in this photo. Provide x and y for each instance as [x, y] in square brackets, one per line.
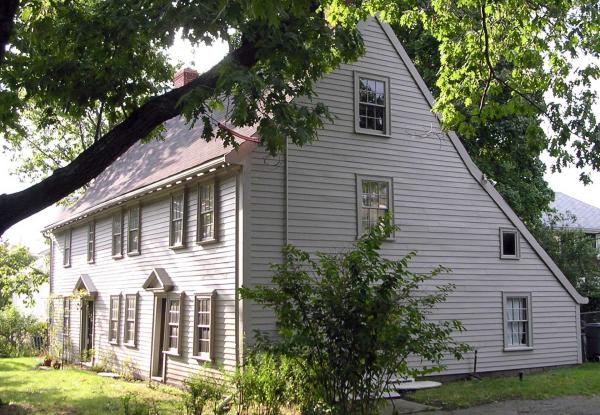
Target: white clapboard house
[162, 239]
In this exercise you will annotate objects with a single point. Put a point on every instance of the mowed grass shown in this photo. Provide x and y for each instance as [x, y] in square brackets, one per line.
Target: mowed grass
[73, 391]
[581, 380]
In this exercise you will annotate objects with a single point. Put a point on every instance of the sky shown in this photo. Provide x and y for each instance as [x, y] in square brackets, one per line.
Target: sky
[28, 231]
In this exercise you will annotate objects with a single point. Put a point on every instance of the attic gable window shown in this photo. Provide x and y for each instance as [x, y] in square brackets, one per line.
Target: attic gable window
[133, 231]
[117, 235]
[177, 220]
[374, 201]
[67, 248]
[91, 242]
[206, 212]
[509, 244]
[372, 104]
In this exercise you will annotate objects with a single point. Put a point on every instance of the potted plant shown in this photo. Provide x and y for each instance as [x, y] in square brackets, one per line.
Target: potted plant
[57, 364]
[47, 360]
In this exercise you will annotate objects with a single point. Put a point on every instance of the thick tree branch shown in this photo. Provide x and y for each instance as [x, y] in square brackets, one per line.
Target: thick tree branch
[8, 10]
[92, 161]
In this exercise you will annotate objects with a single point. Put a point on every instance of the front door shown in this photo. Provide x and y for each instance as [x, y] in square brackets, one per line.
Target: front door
[158, 341]
[87, 330]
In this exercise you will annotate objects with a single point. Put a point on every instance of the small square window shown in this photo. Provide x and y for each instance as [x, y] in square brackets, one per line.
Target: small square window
[509, 244]
[372, 104]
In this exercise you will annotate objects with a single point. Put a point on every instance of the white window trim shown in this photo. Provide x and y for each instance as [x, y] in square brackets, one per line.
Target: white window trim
[112, 298]
[132, 343]
[184, 219]
[507, 347]
[91, 243]
[517, 242]
[388, 122]
[67, 248]
[133, 252]
[598, 244]
[210, 356]
[119, 254]
[199, 212]
[167, 350]
[359, 179]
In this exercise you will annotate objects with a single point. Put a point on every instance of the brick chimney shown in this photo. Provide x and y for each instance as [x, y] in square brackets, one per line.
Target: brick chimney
[184, 76]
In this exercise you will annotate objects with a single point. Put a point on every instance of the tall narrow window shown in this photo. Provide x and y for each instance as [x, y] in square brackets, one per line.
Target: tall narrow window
[509, 244]
[172, 328]
[133, 230]
[67, 248]
[203, 328]
[517, 321]
[177, 225]
[130, 319]
[206, 212]
[91, 242]
[372, 104]
[66, 317]
[117, 235]
[113, 323]
[598, 244]
[375, 197]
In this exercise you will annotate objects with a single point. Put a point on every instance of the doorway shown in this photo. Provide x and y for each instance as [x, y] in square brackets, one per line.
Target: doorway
[158, 338]
[87, 330]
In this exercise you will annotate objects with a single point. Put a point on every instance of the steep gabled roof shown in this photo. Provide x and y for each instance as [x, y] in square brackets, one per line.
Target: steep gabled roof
[587, 216]
[478, 175]
[158, 281]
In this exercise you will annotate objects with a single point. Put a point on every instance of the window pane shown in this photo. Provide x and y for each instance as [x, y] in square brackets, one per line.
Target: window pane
[134, 216]
[177, 231]
[177, 207]
[509, 243]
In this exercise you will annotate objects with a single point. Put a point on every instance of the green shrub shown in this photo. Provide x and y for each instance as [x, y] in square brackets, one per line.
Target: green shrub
[204, 392]
[17, 332]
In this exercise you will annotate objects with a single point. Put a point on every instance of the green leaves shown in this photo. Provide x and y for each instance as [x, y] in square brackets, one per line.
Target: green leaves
[18, 274]
[353, 320]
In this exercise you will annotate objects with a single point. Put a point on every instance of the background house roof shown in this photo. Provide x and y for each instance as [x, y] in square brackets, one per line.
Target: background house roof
[587, 216]
[181, 149]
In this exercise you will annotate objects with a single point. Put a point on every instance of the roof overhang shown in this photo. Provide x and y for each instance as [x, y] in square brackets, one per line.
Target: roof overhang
[85, 283]
[158, 281]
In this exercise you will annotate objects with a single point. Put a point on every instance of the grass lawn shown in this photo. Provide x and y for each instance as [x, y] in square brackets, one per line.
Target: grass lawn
[580, 380]
[72, 391]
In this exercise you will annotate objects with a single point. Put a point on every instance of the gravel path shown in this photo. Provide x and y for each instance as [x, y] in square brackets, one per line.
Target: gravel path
[569, 405]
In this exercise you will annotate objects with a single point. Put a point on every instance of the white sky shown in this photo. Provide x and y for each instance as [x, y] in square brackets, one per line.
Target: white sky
[27, 232]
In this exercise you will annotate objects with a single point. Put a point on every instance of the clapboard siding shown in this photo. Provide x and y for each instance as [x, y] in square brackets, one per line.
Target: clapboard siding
[194, 269]
[443, 212]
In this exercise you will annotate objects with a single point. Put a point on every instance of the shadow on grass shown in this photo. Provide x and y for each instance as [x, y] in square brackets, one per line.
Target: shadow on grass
[7, 365]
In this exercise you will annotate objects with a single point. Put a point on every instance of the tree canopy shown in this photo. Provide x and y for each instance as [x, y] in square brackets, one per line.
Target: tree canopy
[82, 81]
[18, 273]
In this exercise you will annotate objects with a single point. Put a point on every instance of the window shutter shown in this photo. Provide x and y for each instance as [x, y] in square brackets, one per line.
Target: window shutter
[180, 328]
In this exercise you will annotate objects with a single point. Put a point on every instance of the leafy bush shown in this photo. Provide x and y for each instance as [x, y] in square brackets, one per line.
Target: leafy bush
[352, 320]
[203, 392]
[17, 332]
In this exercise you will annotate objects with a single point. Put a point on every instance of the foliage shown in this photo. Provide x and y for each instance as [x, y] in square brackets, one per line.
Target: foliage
[75, 391]
[16, 333]
[203, 392]
[354, 319]
[507, 149]
[97, 61]
[575, 254]
[582, 380]
[133, 405]
[269, 383]
[18, 274]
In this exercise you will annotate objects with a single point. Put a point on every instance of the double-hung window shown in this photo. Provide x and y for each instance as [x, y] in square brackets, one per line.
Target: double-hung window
[133, 230]
[509, 243]
[66, 317]
[117, 235]
[203, 326]
[177, 220]
[375, 199]
[598, 244]
[91, 242]
[372, 105]
[206, 212]
[130, 319]
[517, 321]
[67, 248]
[173, 322]
[113, 323]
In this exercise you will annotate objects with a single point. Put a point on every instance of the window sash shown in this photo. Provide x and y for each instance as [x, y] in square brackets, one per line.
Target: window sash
[172, 321]
[91, 245]
[503, 254]
[177, 220]
[517, 315]
[203, 326]
[66, 317]
[117, 234]
[133, 230]
[374, 202]
[371, 104]
[67, 248]
[206, 212]
[129, 333]
[114, 318]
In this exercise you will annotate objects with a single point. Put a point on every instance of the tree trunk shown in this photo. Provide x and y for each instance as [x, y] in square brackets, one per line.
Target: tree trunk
[96, 158]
